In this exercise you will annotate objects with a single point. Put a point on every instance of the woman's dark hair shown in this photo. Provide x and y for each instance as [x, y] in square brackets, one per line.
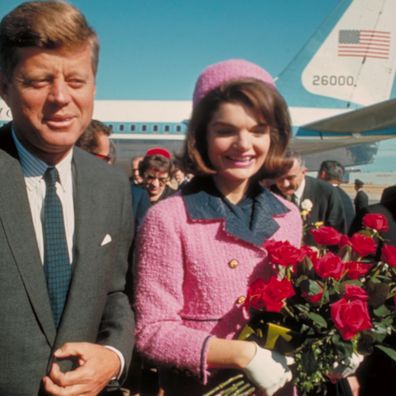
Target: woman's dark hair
[266, 104]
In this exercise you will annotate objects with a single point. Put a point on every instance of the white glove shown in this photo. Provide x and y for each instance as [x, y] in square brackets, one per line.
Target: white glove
[268, 370]
[345, 369]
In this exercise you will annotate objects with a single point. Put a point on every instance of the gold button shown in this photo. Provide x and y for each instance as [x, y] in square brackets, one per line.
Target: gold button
[233, 263]
[241, 300]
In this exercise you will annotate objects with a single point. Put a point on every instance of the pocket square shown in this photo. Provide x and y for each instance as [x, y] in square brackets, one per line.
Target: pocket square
[106, 240]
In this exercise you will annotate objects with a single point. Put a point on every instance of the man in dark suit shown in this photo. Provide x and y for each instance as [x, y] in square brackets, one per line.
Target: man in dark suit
[388, 194]
[321, 198]
[361, 199]
[332, 172]
[378, 372]
[66, 322]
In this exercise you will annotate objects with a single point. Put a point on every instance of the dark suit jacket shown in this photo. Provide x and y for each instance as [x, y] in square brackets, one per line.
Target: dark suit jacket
[361, 200]
[140, 203]
[327, 205]
[378, 372]
[347, 205]
[97, 309]
[388, 194]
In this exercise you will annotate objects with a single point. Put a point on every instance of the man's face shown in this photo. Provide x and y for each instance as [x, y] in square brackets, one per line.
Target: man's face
[50, 94]
[290, 182]
[155, 182]
[135, 171]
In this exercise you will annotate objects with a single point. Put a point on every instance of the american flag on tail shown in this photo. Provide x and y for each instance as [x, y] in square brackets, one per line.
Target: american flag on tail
[364, 43]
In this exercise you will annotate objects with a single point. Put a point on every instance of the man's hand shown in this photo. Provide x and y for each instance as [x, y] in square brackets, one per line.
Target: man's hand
[97, 366]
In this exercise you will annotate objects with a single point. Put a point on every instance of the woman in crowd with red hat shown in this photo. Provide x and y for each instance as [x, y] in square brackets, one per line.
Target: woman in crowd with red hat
[199, 250]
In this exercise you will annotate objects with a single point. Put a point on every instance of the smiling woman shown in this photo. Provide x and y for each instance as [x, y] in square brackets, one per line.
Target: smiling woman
[208, 239]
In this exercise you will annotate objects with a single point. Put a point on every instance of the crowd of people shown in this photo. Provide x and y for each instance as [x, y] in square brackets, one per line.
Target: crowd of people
[85, 252]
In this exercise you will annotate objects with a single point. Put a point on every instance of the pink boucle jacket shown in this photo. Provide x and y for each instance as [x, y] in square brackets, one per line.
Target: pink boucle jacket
[191, 279]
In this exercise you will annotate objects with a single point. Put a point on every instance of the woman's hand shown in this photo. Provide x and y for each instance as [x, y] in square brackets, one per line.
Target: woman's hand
[344, 370]
[269, 370]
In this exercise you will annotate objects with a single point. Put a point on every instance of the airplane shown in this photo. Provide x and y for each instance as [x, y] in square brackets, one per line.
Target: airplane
[340, 89]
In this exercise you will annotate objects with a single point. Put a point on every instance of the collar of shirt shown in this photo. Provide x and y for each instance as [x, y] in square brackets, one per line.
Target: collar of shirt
[34, 168]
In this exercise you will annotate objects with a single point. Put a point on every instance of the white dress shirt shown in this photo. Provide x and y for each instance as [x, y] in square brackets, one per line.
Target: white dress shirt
[33, 170]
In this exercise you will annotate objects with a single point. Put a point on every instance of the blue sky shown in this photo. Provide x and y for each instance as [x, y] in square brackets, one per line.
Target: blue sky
[155, 49]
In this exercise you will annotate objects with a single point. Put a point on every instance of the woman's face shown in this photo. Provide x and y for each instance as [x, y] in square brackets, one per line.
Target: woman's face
[238, 144]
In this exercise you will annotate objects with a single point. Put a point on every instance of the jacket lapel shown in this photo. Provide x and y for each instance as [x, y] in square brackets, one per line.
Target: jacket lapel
[15, 216]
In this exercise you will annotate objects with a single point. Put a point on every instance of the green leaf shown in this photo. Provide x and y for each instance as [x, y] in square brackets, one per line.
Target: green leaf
[389, 351]
[378, 293]
[382, 311]
[317, 319]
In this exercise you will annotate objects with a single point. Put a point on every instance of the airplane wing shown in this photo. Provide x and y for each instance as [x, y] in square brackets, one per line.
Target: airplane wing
[368, 124]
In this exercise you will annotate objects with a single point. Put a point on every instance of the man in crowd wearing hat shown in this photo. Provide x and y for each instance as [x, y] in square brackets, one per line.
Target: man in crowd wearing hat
[66, 322]
[156, 170]
[361, 198]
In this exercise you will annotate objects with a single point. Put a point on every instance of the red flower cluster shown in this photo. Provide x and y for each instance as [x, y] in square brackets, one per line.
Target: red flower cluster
[323, 277]
[270, 295]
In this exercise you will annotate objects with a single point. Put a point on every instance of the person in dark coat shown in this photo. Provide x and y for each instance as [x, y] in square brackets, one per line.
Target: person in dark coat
[361, 199]
[322, 199]
[333, 172]
[66, 224]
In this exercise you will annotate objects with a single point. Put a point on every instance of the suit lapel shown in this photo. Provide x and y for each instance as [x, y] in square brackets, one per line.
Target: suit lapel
[15, 215]
[307, 193]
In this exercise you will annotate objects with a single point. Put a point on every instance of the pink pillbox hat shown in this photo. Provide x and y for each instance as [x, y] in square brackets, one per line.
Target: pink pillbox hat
[219, 73]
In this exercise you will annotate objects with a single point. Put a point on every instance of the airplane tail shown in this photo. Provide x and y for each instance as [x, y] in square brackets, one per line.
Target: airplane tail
[349, 62]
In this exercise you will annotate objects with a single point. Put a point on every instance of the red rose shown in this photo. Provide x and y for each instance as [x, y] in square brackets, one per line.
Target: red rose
[270, 295]
[363, 245]
[353, 292]
[350, 317]
[309, 252]
[344, 241]
[357, 269]
[375, 221]
[329, 266]
[284, 253]
[389, 255]
[326, 236]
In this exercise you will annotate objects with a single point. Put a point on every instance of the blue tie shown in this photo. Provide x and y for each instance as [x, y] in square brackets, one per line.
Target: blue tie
[57, 267]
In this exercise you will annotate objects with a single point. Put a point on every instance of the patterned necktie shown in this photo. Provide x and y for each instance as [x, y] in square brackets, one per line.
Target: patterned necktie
[57, 267]
[294, 199]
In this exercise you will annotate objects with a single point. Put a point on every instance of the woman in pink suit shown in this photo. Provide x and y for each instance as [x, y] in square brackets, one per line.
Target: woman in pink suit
[200, 249]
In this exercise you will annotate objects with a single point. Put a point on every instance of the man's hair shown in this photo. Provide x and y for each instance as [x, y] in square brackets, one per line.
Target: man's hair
[333, 170]
[156, 161]
[47, 25]
[359, 183]
[292, 156]
[88, 141]
[266, 104]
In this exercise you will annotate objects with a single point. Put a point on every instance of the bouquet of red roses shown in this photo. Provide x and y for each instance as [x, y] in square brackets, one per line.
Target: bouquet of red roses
[325, 303]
